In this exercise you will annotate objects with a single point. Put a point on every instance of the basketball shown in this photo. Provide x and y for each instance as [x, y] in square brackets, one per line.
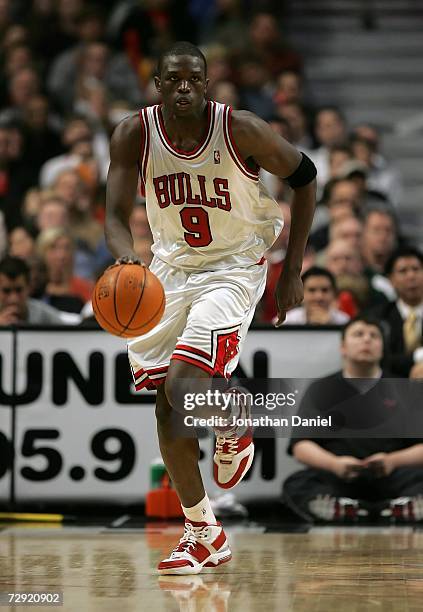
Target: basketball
[128, 300]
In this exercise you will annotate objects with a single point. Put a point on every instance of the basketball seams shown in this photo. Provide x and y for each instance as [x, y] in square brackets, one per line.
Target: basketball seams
[116, 279]
[101, 315]
[151, 318]
[139, 301]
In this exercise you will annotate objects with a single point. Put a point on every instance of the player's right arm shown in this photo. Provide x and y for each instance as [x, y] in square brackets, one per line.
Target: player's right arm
[121, 190]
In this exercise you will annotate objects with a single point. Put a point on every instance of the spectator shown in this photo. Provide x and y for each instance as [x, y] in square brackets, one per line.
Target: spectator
[378, 243]
[93, 63]
[330, 129]
[343, 258]
[319, 301]
[22, 86]
[403, 318]
[342, 200]
[14, 179]
[78, 138]
[289, 88]
[54, 213]
[16, 307]
[226, 93]
[266, 42]
[41, 139]
[64, 290]
[252, 91]
[349, 230]
[347, 477]
[297, 119]
[382, 176]
[22, 243]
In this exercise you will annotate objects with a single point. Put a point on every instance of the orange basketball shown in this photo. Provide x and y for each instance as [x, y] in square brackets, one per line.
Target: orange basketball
[128, 300]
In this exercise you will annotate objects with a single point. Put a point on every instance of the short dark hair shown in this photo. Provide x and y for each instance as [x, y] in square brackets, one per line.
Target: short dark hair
[330, 109]
[13, 267]
[183, 47]
[404, 251]
[330, 186]
[317, 271]
[364, 318]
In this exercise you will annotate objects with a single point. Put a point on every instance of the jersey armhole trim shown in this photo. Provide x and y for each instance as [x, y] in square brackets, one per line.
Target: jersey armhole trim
[145, 147]
[232, 147]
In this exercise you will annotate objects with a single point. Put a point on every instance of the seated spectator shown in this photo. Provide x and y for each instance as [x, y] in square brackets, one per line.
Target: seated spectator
[330, 129]
[64, 289]
[349, 229]
[54, 212]
[77, 134]
[338, 157]
[403, 318]
[16, 307]
[342, 258]
[347, 477]
[299, 132]
[252, 91]
[382, 176]
[378, 242]
[22, 243]
[319, 301]
[341, 198]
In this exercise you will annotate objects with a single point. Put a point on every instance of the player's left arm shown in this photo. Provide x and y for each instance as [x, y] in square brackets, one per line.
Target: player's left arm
[255, 139]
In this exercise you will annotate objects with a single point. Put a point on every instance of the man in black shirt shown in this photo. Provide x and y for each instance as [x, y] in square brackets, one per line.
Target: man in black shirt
[348, 476]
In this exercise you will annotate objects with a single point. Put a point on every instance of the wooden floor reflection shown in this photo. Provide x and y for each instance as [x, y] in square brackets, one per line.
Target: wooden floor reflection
[342, 569]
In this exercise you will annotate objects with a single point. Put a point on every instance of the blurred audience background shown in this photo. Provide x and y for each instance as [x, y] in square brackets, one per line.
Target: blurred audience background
[71, 70]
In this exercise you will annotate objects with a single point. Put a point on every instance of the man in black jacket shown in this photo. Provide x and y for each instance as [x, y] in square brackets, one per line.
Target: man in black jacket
[351, 473]
[403, 319]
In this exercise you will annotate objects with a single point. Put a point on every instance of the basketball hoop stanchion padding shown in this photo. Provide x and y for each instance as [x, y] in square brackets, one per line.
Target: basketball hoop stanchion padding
[162, 501]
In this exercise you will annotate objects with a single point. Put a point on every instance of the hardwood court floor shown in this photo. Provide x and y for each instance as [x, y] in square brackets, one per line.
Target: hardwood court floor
[344, 569]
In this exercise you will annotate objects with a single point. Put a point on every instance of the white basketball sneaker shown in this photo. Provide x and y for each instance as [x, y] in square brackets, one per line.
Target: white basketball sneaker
[234, 451]
[202, 545]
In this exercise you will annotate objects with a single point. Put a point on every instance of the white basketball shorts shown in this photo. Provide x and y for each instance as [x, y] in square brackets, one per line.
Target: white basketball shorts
[205, 321]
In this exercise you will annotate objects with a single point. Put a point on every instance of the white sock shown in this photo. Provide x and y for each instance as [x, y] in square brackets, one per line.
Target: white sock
[201, 512]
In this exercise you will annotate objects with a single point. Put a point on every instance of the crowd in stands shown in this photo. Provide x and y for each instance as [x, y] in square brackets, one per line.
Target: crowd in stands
[71, 70]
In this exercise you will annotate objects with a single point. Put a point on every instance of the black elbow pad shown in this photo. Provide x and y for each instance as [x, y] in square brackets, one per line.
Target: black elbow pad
[304, 174]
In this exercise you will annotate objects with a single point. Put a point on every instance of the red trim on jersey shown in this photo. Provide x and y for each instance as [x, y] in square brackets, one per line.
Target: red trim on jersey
[197, 351]
[232, 147]
[194, 362]
[151, 385]
[227, 349]
[158, 118]
[261, 261]
[149, 371]
[147, 144]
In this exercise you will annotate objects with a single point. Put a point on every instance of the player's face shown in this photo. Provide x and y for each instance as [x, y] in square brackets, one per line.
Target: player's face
[182, 84]
[363, 343]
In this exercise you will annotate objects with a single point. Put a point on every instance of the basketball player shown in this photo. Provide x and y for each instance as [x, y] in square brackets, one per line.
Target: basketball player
[211, 221]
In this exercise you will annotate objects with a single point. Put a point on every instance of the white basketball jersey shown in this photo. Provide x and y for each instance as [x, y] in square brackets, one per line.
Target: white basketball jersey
[207, 210]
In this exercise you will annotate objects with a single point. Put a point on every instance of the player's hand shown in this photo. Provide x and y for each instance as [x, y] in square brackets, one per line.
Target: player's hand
[347, 468]
[380, 464]
[289, 294]
[128, 259]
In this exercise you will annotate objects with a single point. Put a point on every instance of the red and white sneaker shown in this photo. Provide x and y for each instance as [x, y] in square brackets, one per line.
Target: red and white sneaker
[232, 459]
[202, 545]
[234, 450]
